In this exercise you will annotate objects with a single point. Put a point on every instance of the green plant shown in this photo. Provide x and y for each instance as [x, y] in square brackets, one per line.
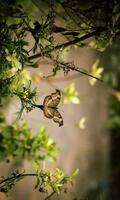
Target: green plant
[92, 30]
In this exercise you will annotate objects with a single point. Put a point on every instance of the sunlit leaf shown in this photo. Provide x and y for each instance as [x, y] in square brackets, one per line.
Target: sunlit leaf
[75, 173]
[116, 94]
[99, 45]
[82, 122]
[71, 94]
[75, 100]
[95, 71]
[22, 79]
[64, 54]
[14, 61]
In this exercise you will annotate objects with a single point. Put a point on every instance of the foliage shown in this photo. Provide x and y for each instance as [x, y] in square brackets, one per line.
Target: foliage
[93, 24]
[49, 183]
[86, 19]
[111, 77]
[18, 142]
[95, 71]
[114, 114]
[70, 94]
[110, 59]
[15, 56]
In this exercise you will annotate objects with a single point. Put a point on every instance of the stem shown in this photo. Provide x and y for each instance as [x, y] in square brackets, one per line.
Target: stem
[35, 56]
[49, 195]
[17, 176]
[73, 68]
[85, 73]
[75, 41]
[84, 37]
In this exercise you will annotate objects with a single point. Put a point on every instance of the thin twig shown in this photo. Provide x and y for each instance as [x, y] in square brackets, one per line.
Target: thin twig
[49, 195]
[17, 176]
[59, 79]
[85, 73]
[74, 68]
[75, 41]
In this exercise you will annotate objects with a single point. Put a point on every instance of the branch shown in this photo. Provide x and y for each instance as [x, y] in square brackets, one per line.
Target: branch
[35, 56]
[75, 41]
[85, 73]
[16, 176]
[84, 37]
[71, 66]
[49, 196]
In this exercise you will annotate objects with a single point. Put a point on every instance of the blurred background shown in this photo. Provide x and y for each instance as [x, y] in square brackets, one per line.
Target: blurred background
[90, 137]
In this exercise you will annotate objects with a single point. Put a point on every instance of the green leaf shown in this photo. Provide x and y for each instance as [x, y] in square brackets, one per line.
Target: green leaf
[34, 65]
[71, 94]
[95, 71]
[37, 183]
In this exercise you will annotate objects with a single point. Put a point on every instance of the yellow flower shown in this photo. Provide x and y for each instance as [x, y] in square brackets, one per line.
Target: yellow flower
[71, 95]
[95, 71]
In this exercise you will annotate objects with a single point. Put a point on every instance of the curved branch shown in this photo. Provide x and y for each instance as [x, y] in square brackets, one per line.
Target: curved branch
[82, 38]
[49, 196]
[72, 42]
[17, 176]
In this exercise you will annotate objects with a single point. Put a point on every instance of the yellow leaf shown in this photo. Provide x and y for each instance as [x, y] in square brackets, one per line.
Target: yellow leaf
[14, 61]
[75, 100]
[22, 79]
[71, 94]
[82, 122]
[116, 94]
[95, 71]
